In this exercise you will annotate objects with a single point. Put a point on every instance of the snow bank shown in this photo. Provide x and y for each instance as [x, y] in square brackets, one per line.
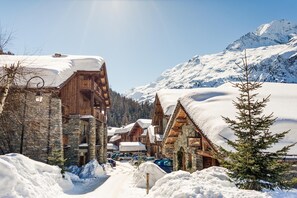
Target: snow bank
[211, 182]
[91, 170]
[155, 173]
[23, 177]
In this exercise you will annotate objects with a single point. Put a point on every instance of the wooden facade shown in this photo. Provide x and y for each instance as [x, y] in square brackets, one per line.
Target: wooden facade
[135, 133]
[159, 121]
[86, 93]
[85, 100]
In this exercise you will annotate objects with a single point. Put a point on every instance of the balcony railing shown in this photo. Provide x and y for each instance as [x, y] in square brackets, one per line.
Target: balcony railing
[87, 84]
[99, 116]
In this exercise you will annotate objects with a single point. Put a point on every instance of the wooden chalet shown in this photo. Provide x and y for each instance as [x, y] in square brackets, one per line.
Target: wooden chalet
[196, 128]
[165, 101]
[71, 117]
[86, 93]
[139, 130]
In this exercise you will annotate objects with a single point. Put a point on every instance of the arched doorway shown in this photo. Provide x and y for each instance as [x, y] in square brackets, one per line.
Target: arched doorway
[181, 159]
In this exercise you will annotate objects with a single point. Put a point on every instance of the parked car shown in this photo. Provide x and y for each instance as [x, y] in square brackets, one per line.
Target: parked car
[115, 156]
[125, 156]
[137, 160]
[149, 159]
[165, 164]
[111, 162]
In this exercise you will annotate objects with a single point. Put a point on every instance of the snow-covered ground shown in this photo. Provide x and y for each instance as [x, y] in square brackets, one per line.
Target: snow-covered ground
[23, 177]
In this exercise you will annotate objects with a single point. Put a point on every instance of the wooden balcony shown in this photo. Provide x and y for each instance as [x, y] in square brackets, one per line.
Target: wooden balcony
[87, 85]
[96, 113]
[97, 89]
[99, 116]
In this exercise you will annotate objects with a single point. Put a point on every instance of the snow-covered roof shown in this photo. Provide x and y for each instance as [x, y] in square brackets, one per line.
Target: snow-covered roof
[206, 106]
[84, 145]
[111, 130]
[124, 129]
[144, 123]
[54, 70]
[144, 132]
[111, 146]
[115, 138]
[152, 136]
[151, 133]
[86, 116]
[168, 98]
[132, 146]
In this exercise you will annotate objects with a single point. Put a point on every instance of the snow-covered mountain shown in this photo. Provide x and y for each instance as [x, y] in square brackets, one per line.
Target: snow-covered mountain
[272, 49]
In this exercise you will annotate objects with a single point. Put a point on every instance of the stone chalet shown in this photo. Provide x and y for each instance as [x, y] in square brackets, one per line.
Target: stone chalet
[196, 127]
[165, 101]
[72, 115]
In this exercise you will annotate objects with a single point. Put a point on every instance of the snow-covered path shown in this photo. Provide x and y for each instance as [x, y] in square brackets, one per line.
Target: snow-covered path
[119, 184]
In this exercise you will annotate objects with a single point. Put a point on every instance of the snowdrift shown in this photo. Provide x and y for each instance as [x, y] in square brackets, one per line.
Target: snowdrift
[91, 170]
[210, 182]
[155, 173]
[23, 177]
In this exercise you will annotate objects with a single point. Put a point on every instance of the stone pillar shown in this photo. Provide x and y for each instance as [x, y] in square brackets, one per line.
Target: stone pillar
[72, 130]
[55, 125]
[101, 139]
[104, 146]
[92, 138]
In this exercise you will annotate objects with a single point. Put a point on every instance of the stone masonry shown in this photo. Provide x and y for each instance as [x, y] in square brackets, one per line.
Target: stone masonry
[72, 131]
[42, 125]
[193, 161]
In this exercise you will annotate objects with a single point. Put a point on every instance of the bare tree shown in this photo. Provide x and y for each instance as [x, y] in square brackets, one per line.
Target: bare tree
[9, 73]
[5, 39]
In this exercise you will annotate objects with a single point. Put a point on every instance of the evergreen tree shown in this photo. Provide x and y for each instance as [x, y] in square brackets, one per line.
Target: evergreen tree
[57, 159]
[125, 110]
[251, 164]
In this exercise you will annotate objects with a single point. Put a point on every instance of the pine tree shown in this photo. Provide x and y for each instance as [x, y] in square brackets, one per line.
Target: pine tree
[251, 164]
[57, 159]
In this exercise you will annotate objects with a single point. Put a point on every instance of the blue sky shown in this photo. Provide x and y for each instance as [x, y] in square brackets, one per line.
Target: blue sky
[137, 39]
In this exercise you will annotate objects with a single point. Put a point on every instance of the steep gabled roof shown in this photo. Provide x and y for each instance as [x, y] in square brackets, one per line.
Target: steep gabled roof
[124, 129]
[206, 106]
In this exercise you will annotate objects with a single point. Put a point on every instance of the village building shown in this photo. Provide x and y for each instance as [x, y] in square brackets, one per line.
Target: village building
[196, 128]
[122, 134]
[71, 117]
[165, 102]
[152, 142]
[139, 130]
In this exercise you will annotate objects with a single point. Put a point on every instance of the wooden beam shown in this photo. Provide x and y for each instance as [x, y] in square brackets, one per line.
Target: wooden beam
[204, 153]
[181, 120]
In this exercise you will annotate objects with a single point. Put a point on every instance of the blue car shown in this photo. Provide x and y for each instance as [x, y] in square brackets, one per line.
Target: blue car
[166, 164]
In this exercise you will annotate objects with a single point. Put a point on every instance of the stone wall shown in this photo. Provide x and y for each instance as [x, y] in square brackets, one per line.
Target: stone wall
[42, 123]
[193, 161]
[72, 130]
[102, 142]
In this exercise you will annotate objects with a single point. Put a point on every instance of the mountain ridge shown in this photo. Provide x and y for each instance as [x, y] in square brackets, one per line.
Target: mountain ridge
[271, 48]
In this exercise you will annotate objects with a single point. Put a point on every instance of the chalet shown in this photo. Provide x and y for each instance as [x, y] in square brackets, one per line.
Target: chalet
[122, 134]
[196, 127]
[165, 101]
[72, 115]
[139, 130]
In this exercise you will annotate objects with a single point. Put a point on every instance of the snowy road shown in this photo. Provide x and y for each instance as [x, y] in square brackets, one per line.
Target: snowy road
[119, 184]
